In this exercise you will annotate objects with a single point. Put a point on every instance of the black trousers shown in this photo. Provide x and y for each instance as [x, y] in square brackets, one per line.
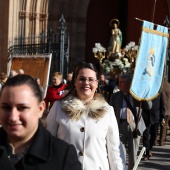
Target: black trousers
[149, 136]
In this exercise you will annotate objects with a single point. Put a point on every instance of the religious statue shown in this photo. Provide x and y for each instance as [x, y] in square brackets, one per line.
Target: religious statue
[116, 38]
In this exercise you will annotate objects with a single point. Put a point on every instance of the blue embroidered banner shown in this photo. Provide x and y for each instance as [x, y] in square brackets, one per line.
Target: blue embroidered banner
[149, 69]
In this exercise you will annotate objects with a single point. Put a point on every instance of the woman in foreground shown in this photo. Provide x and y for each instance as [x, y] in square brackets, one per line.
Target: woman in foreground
[83, 118]
[24, 142]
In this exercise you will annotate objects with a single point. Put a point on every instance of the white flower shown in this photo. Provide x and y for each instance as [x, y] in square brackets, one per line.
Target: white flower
[121, 66]
[125, 60]
[97, 45]
[95, 50]
[119, 54]
[124, 70]
[98, 48]
[111, 64]
[127, 65]
[107, 69]
[117, 62]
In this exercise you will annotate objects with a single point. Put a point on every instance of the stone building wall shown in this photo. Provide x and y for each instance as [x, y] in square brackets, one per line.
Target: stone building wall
[28, 17]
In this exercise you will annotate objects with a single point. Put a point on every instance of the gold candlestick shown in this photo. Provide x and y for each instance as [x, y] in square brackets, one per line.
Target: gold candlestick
[131, 52]
[99, 52]
[99, 55]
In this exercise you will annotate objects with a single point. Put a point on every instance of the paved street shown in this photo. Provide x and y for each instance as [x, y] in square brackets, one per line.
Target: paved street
[160, 159]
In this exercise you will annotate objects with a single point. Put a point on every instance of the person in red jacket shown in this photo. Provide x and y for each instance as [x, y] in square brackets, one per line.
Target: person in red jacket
[55, 91]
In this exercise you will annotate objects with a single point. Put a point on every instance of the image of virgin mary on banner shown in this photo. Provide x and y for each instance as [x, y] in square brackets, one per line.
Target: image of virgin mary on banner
[149, 70]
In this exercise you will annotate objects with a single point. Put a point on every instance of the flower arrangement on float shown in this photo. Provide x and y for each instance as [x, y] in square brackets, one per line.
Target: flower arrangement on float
[116, 63]
[119, 65]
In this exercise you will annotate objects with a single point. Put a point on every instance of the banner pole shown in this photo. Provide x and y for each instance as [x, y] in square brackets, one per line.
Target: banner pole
[141, 20]
[138, 116]
[153, 14]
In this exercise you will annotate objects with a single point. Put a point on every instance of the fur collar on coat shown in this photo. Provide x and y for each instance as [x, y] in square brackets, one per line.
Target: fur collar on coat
[75, 108]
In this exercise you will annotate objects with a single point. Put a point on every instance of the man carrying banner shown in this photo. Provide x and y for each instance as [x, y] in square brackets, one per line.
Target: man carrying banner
[126, 109]
[152, 118]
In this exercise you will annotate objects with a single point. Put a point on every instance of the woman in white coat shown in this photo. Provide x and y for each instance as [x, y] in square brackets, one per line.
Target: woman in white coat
[84, 119]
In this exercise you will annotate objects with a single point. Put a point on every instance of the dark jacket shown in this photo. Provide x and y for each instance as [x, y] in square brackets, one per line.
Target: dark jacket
[156, 113]
[45, 153]
[116, 101]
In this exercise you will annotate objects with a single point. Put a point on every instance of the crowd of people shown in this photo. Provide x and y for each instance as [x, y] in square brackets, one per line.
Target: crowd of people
[85, 122]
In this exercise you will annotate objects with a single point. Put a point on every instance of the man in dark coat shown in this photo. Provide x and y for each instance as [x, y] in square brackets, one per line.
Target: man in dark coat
[152, 118]
[125, 118]
[46, 152]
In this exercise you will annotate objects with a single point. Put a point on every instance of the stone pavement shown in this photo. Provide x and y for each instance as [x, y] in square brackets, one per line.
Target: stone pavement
[160, 159]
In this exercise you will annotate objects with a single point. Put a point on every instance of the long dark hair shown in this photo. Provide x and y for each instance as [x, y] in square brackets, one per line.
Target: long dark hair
[22, 79]
[76, 69]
